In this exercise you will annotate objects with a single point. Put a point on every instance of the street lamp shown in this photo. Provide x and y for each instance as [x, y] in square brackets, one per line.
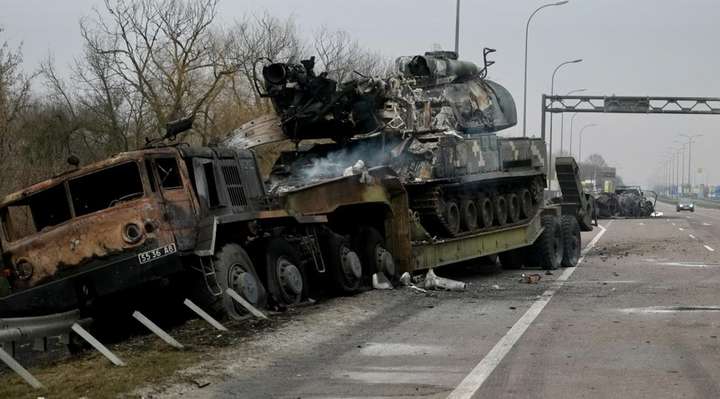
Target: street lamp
[527, 27]
[690, 141]
[562, 122]
[581, 132]
[571, 131]
[552, 93]
[681, 164]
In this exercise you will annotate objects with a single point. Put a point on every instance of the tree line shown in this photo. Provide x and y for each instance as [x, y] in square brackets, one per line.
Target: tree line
[145, 63]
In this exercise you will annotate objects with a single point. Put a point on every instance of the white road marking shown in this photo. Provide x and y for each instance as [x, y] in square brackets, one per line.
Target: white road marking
[709, 248]
[673, 223]
[706, 224]
[473, 381]
[671, 309]
[681, 229]
[692, 236]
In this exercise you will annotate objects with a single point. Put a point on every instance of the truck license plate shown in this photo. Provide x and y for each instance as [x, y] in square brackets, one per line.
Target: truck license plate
[151, 255]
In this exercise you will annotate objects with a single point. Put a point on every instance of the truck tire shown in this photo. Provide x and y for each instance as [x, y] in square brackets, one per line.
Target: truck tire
[343, 264]
[286, 278]
[374, 256]
[571, 240]
[547, 250]
[513, 259]
[452, 217]
[234, 269]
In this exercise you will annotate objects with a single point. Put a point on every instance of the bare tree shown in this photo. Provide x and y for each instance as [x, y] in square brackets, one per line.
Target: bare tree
[164, 50]
[342, 57]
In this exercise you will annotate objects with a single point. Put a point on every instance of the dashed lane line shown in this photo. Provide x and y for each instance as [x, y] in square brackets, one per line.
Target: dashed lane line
[692, 236]
[681, 229]
[709, 248]
[473, 381]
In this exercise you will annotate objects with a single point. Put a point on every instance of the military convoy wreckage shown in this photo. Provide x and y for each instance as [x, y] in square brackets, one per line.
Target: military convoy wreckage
[626, 201]
[388, 175]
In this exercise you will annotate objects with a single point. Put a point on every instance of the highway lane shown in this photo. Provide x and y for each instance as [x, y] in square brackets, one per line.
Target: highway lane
[639, 318]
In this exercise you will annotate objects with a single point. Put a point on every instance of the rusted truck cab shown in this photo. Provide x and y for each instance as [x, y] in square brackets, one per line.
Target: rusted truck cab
[115, 224]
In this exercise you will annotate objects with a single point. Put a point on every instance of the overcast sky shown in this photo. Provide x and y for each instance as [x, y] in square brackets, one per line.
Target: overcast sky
[638, 47]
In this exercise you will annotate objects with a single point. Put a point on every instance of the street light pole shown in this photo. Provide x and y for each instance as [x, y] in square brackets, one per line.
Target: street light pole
[562, 123]
[527, 27]
[581, 132]
[552, 92]
[457, 28]
[689, 143]
[571, 132]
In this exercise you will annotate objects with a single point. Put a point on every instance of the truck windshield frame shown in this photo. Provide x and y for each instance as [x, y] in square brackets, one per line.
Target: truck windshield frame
[73, 198]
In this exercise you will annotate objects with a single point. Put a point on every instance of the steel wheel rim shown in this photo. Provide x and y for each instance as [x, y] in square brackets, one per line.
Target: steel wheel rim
[350, 263]
[244, 283]
[290, 280]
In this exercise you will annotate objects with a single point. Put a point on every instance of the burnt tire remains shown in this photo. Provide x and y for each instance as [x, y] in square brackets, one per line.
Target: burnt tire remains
[286, 278]
[234, 269]
[571, 240]
[344, 265]
[547, 251]
[369, 244]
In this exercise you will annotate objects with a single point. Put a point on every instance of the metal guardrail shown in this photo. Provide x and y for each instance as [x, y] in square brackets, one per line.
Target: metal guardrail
[38, 329]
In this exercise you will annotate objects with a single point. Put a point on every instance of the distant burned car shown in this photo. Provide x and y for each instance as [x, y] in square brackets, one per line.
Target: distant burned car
[685, 204]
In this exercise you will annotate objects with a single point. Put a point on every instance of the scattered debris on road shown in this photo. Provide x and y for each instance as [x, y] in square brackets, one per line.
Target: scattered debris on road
[530, 278]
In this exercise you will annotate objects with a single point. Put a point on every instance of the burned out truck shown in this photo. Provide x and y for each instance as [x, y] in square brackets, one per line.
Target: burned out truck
[398, 183]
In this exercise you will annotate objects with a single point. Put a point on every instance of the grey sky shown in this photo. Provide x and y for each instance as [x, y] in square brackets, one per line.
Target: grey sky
[638, 47]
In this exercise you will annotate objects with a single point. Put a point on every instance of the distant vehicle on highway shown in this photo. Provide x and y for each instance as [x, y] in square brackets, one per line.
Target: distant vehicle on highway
[685, 204]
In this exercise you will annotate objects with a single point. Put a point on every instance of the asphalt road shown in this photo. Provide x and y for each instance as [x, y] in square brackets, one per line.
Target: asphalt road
[638, 318]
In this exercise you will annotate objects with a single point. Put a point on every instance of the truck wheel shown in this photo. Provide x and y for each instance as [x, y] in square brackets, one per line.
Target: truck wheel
[452, 217]
[234, 269]
[344, 265]
[374, 256]
[514, 259]
[526, 204]
[571, 240]
[513, 205]
[469, 215]
[547, 250]
[286, 279]
[485, 211]
[501, 210]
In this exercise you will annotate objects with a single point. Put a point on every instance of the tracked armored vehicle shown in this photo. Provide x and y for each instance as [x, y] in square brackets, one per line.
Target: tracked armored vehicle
[433, 122]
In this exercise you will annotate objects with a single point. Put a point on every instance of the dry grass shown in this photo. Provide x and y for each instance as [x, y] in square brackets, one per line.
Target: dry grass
[149, 361]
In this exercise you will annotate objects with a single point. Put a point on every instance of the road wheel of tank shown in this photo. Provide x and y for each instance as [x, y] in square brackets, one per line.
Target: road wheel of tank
[234, 269]
[468, 215]
[527, 209]
[547, 250]
[500, 209]
[452, 217]
[485, 212]
[343, 264]
[286, 278]
[514, 259]
[571, 240]
[374, 256]
[513, 206]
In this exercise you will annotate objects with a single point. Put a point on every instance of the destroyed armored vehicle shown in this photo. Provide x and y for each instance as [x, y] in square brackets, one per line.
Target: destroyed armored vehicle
[198, 216]
[433, 123]
[626, 201]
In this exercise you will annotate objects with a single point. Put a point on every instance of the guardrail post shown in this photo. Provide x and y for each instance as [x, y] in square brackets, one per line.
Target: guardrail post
[20, 370]
[97, 345]
[157, 330]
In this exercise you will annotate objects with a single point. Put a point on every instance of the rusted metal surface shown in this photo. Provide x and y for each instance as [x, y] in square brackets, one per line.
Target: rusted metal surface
[329, 195]
[159, 217]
